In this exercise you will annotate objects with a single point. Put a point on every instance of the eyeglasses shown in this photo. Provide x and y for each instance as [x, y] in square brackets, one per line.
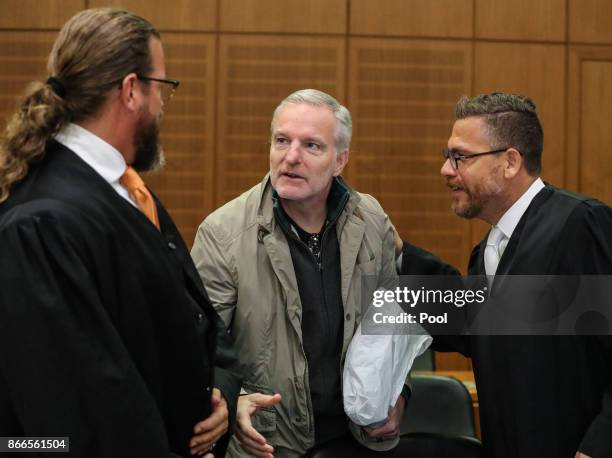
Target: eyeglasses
[167, 89]
[456, 157]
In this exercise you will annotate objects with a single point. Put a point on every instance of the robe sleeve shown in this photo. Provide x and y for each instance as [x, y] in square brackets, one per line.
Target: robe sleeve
[228, 378]
[65, 367]
[420, 262]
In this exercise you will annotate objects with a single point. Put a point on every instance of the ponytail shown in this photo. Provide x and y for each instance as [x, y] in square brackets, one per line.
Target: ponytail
[39, 116]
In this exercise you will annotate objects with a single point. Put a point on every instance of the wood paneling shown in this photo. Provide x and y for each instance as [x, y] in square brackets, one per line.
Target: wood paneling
[186, 184]
[23, 58]
[288, 16]
[537, 71]
[540, 20]
[37, 14]
[255, 74]
[402, 94]
[179, 15]
[420, 18]
[595, 135]
[590, 110]
[448, 361]
[590, 21]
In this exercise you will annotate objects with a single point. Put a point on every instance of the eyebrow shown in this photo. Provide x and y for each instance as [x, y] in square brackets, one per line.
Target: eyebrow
[315, 139]
[458, 149]
[312, 138]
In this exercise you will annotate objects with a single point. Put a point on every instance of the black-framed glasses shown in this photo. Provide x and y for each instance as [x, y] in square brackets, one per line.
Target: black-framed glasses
[456, 157]
[167, 89]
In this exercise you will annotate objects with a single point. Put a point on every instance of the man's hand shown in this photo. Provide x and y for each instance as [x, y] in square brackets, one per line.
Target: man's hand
[250, 440]
[209, 431]
[581, 455]
[391, 428]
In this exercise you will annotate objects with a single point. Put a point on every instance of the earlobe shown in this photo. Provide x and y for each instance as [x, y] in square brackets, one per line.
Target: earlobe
[129, 92]
[341, 160]
[514, 161]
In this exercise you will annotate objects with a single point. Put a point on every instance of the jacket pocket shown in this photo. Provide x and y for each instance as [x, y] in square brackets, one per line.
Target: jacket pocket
[264, 419]
[368, 267]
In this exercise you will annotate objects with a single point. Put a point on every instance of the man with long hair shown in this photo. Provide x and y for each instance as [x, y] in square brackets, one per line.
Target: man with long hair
[107, 335]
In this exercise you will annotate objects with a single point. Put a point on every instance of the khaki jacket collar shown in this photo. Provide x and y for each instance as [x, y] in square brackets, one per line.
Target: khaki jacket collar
[350, 230]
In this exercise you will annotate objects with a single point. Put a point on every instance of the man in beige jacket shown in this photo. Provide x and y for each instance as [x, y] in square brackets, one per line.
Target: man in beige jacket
[283, 265]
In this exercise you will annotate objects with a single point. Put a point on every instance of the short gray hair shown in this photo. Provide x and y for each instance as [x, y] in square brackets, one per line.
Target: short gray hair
[512, 122]
[344, 123]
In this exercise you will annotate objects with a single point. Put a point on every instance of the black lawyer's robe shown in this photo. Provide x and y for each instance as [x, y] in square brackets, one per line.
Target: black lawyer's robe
[106, 332]
[543, 396]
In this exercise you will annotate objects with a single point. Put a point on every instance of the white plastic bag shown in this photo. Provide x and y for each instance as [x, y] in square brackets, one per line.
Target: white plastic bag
[376, 366]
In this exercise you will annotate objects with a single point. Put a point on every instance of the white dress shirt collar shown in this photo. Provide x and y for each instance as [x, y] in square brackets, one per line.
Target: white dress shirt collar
[106, 160]
[98, 154]
[513, 215]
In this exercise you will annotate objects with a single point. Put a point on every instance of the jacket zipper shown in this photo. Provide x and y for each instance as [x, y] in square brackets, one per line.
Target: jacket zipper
[320, 266]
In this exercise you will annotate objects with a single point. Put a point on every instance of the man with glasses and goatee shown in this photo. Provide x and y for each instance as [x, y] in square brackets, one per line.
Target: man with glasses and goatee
[541, 394]
[107, 335]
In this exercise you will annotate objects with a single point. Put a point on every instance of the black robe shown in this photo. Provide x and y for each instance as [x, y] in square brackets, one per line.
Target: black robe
[544, 396]
[106, 332]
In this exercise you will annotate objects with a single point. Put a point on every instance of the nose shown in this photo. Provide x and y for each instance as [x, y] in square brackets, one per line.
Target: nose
[293, 155]
[447, 169]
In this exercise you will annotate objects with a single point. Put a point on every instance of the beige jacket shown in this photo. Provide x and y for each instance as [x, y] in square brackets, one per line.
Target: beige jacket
[243, 258]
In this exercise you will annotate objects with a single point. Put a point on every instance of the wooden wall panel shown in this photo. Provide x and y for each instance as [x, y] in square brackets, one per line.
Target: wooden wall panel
[37, 14]
[255, 74]
[421, 18]
[179, 15]
[589, 163]
[590, 21]
[289, 16]
[23, 58]
[186, 184]
[450, 361]
[541, 20]
[402, 94]
[537, 71]
[595, 135]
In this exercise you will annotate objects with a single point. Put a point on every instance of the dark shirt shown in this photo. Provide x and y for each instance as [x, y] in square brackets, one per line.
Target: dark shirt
[316, 261]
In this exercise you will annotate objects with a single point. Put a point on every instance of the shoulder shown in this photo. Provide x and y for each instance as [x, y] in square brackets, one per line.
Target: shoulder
[45, 210]
[235, 217]
[370, 210]
[592, 216]
[570, 198]
[585, 237]
[583, 208]
[55, 224]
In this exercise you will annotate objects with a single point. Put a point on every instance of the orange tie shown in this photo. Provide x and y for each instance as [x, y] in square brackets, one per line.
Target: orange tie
[139, 192]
